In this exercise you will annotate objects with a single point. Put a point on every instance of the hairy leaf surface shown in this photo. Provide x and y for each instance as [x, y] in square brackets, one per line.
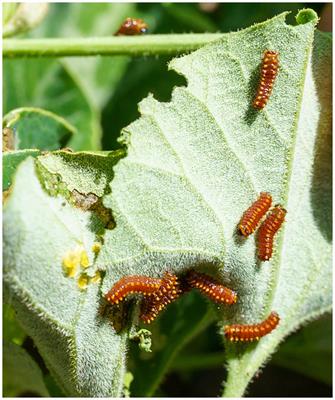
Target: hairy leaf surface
[50, 277]
[193, 166]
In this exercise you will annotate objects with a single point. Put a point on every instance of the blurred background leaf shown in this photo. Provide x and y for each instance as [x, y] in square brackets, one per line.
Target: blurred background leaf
[22, 376]
[47, 84]
[21, 17]
[95, 75]
[12, 331]
[183, 321]
[52, 386]
[309, 351]
[8, 10]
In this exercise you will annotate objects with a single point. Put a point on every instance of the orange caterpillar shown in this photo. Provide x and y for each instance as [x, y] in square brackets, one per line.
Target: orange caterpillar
[269, 71]
[249, 333]
[211, 287]
[132, 284]
[132, 26]
[254, 213]
[168, 291]
[267, 231]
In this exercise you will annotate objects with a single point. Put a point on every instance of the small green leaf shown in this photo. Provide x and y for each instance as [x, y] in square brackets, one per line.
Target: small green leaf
[143, 337]
[128, 378]
[35, 128]
[21, 374]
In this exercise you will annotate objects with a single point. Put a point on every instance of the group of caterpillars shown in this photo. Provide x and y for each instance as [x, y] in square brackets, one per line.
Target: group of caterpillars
[159, 292]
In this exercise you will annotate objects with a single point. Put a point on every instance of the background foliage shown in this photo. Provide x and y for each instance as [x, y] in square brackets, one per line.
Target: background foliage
[98, 98]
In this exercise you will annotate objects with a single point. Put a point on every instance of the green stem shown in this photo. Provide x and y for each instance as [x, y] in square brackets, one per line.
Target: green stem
[182, 322]
[145, 45]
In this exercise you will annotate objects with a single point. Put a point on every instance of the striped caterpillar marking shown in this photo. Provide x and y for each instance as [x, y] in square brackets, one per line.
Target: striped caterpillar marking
[267, 232]
[132, 284]
[211, 287]
[269, 71]
[249, 333]
[254, 213]
[132, 26]
[168, 291]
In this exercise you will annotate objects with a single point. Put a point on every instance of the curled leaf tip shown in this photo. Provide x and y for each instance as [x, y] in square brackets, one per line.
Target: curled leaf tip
[307, 15]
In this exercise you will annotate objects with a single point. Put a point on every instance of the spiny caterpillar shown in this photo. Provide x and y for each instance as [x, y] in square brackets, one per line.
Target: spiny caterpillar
[132, 284]
[132, 26]
[269, 71]
[211, 287]
[168, 291]
[254, 214]
[267, 231]
[249, 333]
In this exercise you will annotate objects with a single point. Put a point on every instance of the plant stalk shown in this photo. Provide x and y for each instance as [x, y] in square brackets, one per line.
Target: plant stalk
[146, 45]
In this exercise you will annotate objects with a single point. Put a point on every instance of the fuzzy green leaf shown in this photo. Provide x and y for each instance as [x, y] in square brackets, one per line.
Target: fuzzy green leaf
[35, 128]
[195, 164]
[50, 276]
